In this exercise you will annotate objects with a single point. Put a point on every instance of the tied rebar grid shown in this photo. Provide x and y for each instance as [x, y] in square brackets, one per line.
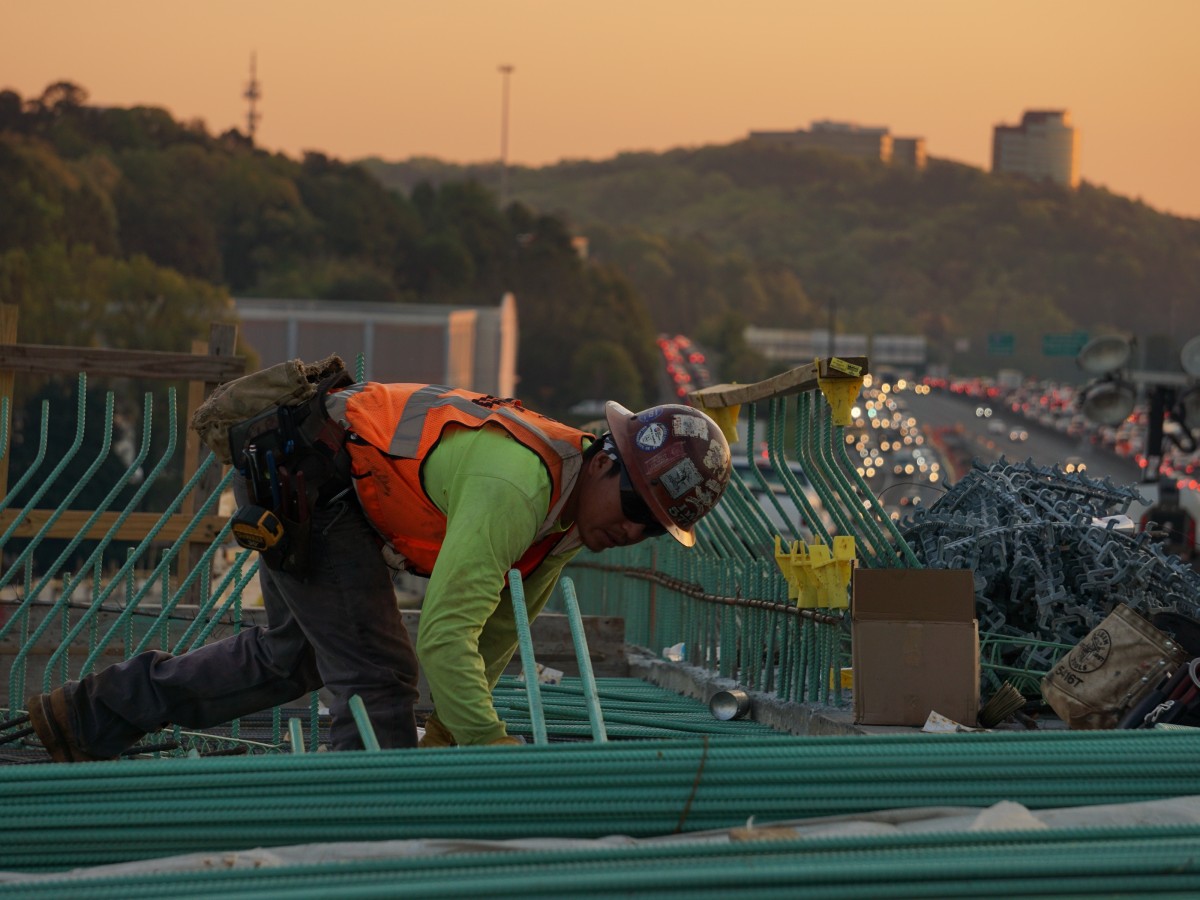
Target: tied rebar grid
[723, 605]
[59, 624]
[1049, 560]
[727, 615]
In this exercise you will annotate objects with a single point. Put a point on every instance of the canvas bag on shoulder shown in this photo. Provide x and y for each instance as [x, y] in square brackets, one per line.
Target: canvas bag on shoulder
[1119, 661]
[285, 384]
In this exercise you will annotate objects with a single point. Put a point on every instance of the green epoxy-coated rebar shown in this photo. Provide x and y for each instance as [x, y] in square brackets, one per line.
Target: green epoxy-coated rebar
[163, 570]
[837, 451]
[97, 602]
[61, 816]
[17, 680]
[233, 582]
[806, 446]
[232, 603]
[760, 478]
[203, 567]
[96, 558]
[862, 524]
[164, 565]
[363, 721]
[36, 464]
[745, 515]
[584, 660]
[653, 713]
[73, 492]
[779, 463]
[516, 589]
[296, 734]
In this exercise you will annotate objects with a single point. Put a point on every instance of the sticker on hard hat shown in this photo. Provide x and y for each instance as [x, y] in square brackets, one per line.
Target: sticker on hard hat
[690, 426]
[716, 459]
[651, 436]
[667, 456]
[684, 514]
[696, 504]
[681, 478]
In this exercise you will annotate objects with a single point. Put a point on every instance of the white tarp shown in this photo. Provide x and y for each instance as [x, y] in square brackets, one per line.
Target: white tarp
[1004, 816]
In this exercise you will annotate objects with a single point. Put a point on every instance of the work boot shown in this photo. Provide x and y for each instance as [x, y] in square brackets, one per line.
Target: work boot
[51, 721]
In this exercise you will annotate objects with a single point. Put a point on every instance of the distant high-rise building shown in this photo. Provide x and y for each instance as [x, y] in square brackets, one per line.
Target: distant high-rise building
[1044, 146]
[908, 152]
[851, 139]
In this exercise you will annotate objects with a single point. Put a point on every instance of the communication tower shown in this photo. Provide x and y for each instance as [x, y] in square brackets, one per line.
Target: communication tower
[252, 93]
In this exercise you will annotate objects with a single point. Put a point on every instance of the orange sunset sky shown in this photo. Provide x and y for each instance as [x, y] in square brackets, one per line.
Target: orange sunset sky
[398, 78]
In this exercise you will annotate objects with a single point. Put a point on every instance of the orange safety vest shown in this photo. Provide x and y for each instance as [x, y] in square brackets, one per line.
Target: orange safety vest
[392, 428]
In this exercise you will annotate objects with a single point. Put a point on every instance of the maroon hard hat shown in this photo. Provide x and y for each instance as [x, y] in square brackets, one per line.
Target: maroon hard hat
[677, 459]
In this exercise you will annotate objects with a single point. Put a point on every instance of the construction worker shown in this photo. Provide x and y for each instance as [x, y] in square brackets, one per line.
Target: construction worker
[1173, 525]
[446, 483]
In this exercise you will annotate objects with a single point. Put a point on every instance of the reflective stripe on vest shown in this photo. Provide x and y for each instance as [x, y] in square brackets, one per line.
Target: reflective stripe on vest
[393, 429]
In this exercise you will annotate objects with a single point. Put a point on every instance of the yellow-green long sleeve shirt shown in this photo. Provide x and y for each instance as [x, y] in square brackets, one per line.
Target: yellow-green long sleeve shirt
[495, 494]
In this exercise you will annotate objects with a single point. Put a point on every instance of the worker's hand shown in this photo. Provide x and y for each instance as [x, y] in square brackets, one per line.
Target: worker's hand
[436, 735]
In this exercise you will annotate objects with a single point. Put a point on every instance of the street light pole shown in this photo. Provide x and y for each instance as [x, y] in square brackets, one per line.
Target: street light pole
[506, 71]
[1161, 398]
[832, 322]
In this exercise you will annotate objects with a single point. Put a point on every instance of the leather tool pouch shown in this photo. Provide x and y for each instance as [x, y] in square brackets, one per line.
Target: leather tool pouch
[291, 453]
[286, 384]
[1110, 670]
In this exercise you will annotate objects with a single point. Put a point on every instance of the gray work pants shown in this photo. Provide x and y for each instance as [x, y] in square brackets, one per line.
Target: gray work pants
[339, 627]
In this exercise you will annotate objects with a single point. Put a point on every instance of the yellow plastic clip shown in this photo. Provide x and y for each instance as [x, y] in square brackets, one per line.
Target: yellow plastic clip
[832, 592]
[727, 418]
[844, 557]
[840, 392]
[784, 561]
[816, 556]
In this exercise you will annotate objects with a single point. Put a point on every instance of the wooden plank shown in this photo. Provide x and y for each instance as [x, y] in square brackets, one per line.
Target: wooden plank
[135, 527]
[793, 381]
[47, 360]
[222, 341]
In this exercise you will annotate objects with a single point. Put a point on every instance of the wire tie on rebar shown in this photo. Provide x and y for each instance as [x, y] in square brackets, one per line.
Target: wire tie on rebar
[687, 807]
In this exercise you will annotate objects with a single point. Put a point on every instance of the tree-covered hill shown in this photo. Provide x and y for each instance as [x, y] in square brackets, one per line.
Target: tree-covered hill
[778, 236]
[126, 228]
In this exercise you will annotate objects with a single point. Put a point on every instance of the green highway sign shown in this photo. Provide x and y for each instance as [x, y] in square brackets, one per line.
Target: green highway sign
[1001, 343]
[1064, 344]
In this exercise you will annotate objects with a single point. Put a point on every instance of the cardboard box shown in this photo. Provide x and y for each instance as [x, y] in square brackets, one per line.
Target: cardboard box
[915, 641]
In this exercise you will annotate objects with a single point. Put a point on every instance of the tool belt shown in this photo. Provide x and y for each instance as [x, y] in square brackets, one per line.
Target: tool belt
[290, 452]
[294, 460]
